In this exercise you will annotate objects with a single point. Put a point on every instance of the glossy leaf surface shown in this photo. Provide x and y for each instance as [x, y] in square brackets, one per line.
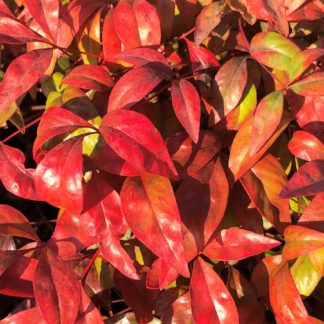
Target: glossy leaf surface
[284, 297]
[46, 13]
[56, 121]
[306, 146]
[150, 207]
[300, 240]
[308, 180]
[186, 104]
[14, 223]
[273, 50]
[311, 85]
[57, 290]
[33, 65]
[231, 79]
[207, 286]
[236, 244]
[266, 120]
[135, 85]
[57, 181]
[14, 175]
[89, 76]
[134, 138]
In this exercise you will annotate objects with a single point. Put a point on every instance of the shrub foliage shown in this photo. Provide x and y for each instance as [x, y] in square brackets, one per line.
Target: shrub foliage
[182, 142]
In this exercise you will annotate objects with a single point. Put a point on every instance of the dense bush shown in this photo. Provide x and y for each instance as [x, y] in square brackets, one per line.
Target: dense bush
[182, 142]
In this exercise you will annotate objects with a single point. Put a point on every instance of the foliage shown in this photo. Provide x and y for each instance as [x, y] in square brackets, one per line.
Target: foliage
[182, 142]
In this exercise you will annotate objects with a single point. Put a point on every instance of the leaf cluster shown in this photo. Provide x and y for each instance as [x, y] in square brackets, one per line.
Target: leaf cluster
[182, 144]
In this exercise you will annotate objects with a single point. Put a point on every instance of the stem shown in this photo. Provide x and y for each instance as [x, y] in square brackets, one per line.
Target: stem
[298, 207]
[247, 44]
[86, 270]
[184, 35]
[43, 222]
[117, 301]
[21, 129]
[123, 311]
[177, 39]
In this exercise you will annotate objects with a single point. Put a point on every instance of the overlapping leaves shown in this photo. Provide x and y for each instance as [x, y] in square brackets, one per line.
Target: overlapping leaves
[170, 146]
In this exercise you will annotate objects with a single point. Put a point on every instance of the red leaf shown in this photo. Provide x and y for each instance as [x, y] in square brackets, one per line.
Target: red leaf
[237, 244]
[8, 257]
[200, 57]
[110, 41]
[57, 289]
[148, 23]
[140, 299]
[307, 181]
[141, 56]
[106, 159]
[180, 311]
[125, 24]
[12, 31]
[311, 11]
[301, 240]
[28, 316]
[263, 185]
[13, 174]
[21, 74]
[4, 9]
[14, 223]
[293, 5]
[311, 85]
[202, 202]
[88, 312]
[190, 158]
[69, 237]
[186, 104]
[89, 76]
[151, 211]
[208, 18]
[308, 111]
[231, 79]
[102, 206]
[241, 160]
[17, 280]
[81, 10]
[160, 275]
[267, 118]
[284, 297]
[270, 10]
[306, 146]
[313, 215]
[135, 85]
[112, 251]
[134, 138]
[56, 121]
[302, 61]
[58, 176]
[46, 13]
[210, 300]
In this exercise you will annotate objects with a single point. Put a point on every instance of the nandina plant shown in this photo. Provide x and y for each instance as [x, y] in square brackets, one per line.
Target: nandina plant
[182, 145]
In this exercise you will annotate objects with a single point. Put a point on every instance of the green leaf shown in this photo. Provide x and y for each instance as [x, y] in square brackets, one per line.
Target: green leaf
[273, 50]
[306, 277]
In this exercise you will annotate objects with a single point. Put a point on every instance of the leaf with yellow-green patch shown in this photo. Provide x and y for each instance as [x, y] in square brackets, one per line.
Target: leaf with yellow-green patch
[305, 274]
[273, 50]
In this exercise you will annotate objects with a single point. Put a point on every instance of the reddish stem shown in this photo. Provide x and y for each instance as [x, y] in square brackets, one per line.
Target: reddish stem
[298, 207]
[123, 311]
[22, 129]
[86, 270]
